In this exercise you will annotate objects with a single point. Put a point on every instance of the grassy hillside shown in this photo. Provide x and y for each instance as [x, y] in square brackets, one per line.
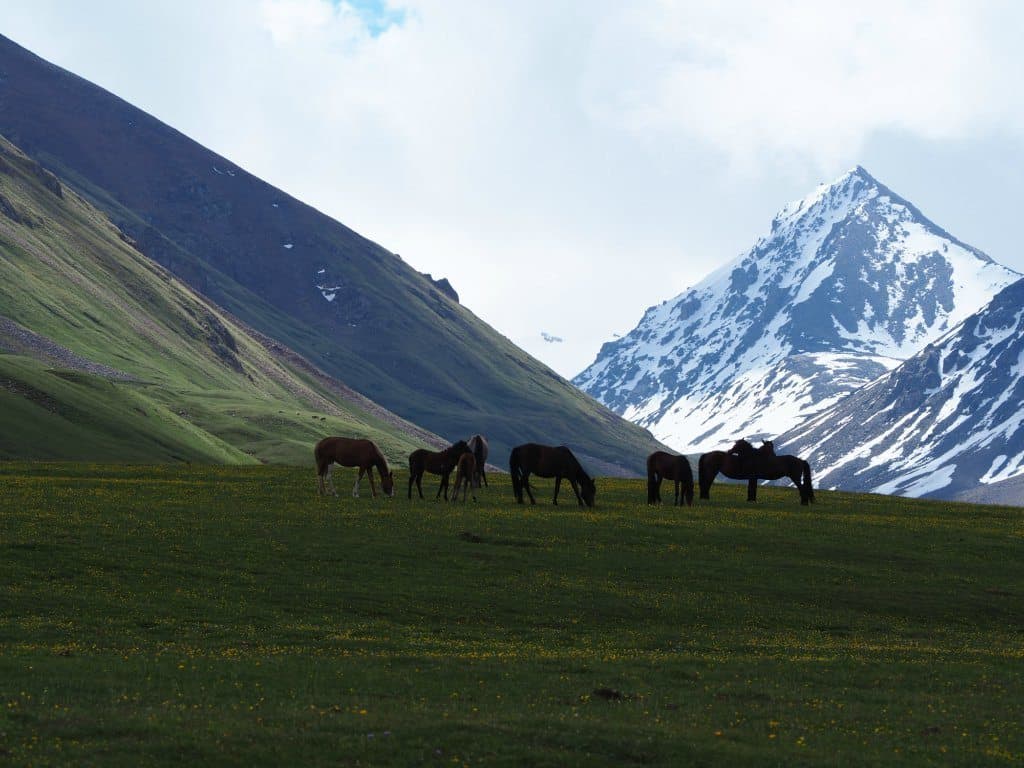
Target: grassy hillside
[229, 616]
[104, 355]
[388, 331]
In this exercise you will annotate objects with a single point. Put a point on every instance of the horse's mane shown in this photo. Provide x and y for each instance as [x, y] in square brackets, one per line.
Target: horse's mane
[741, 447]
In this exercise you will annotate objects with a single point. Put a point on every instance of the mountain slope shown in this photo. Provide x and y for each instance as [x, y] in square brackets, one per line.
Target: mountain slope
[104, 355]
[849, 282]
[945, 423]
[352, 308]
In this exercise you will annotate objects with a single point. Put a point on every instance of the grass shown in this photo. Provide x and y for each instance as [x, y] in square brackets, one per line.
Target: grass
[153, 615]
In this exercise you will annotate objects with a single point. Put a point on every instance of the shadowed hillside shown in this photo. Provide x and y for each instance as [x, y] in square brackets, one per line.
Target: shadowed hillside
[104, 355]
[348, 305]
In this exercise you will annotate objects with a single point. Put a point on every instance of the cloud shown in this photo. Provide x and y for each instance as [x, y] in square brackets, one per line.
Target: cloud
[810, 81]
[559, 165]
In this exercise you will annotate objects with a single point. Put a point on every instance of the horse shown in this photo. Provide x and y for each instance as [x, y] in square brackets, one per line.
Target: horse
[465, 476]
[547, 461]
[478, 445]
[436, 462]
[352, 452]
[744, 462]
[665, 466]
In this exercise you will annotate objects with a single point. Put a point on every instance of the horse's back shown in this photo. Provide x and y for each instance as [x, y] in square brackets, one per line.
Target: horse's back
[329, 446]
[347, 451]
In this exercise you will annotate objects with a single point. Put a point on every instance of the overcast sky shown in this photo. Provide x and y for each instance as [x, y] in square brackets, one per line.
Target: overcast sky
[568, 164]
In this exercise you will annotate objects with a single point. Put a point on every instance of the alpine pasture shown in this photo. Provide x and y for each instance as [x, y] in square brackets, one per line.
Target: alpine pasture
[224, 615]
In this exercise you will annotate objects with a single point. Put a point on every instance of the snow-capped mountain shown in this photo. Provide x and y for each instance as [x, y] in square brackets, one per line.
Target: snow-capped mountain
[850, 281]
[948, 420]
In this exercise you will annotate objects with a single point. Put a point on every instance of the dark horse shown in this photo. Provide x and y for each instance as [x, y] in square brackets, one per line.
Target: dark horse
[546, 461]
[665, 466]
[352, 452]
[744, 462]
[436, 462]
[478, 445]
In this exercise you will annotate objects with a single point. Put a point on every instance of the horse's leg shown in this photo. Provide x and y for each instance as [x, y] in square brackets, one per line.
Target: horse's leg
[373, 488]
[526, 486]
[705, 484]
[795, 477]
[675, 502]
[330, 479]
[752, 489]
[576, 490]
[419, 483]
[359, 480]
[558, 484]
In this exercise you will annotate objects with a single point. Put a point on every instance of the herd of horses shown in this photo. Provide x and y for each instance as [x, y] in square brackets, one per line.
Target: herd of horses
[468, 458]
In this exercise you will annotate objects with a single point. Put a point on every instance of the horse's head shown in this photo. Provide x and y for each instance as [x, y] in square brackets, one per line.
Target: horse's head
[459, 448]
[767, 447]
[742, 448]
[387, 483]
[588, 489]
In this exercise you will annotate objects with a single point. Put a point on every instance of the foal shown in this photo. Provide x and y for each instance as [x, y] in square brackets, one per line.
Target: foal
[465, 474]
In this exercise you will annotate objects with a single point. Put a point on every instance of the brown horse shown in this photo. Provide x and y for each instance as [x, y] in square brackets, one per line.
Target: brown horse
[437, 463]
[465, 476]
[744, 462]
[546, 461]
[478, 445]
[352, 452]
[665, 466]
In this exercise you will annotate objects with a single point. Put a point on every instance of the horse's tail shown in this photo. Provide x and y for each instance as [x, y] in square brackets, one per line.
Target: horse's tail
[652, 481]
[704, 476]
[515, 469]
[480, 457]
[806, 479]
[687, 482]
[414, 462]
[322, 463]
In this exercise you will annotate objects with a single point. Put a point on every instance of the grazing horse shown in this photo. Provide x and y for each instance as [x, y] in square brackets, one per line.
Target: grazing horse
[744, 462]
[352, 452]
[465, 476]
[478, 445]
[437, 463]
[546, 461]
[665, 466]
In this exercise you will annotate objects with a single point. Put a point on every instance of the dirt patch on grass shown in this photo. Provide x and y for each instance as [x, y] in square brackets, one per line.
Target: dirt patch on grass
[21, 341]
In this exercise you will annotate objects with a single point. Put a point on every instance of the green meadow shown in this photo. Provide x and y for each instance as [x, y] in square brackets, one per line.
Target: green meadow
[158, 615]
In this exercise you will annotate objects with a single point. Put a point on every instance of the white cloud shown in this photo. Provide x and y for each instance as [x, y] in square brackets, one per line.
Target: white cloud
[810, 81]
[565, 168]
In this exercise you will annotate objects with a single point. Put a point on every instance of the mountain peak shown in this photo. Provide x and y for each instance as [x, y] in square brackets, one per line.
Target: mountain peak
[844, 192]
[850, 281]
[860, 172]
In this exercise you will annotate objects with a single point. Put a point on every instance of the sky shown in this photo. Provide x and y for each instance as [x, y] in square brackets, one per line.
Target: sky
[568, 164]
